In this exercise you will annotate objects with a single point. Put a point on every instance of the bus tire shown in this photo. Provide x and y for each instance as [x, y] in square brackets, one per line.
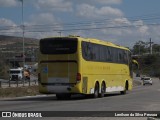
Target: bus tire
[123, 92]
[126, 88]
[96, 90]
[63, 96]
[103, 88]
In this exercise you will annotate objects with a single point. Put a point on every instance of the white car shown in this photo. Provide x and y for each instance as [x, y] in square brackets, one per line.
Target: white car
[147, 80]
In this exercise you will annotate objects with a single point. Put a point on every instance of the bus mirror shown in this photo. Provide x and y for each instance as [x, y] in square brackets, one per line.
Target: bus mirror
[136, 63]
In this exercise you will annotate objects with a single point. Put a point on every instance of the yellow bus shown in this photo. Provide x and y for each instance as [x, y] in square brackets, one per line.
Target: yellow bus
[76, 65]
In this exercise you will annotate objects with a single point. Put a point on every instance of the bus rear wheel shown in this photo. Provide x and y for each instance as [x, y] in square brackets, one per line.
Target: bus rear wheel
[103, 89]
[96, 91]
[125, 90]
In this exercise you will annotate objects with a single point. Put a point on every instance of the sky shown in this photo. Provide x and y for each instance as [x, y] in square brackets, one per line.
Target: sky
[123, 22]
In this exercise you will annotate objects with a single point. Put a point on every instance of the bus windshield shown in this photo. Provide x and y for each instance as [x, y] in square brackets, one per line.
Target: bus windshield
[58, 45]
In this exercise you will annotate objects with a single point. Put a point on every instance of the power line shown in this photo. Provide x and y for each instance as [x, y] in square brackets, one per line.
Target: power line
[85, 25]
[87, 28]
[104, 27]
[100, 21]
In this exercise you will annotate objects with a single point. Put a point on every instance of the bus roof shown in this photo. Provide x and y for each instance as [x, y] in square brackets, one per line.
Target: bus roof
[93, 40]
[103, 43]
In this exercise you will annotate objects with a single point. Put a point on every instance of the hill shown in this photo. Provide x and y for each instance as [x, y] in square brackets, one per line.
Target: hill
[12, 40]
[12, 46]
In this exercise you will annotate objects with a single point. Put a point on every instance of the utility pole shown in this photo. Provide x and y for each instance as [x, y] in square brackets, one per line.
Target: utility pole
[139, 49]
[23, 35]
[150, 45]
[23, 59]
[59, 33]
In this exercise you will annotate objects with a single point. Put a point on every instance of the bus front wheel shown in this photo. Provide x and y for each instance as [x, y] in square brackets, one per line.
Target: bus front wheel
[103, 88]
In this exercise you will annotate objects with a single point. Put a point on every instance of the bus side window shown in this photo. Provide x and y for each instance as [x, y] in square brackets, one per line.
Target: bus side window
[119, 56]
[87, 51]
[125, 57]
[103, 55]
[90, 51]
[111, 52]
[115, 55]
[84, 50]
[96, 55]
[108, 51]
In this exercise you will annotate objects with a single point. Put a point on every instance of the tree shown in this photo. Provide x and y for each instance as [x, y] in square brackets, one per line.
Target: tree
[156, 48]
[139, 48]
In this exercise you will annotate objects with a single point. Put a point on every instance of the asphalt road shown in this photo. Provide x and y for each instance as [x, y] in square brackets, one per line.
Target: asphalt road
[141, 98]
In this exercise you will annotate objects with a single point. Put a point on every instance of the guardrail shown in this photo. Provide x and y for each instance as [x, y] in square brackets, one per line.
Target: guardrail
[17, 83]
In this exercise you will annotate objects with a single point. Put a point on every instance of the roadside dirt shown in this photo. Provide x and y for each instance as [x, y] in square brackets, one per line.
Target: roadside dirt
[18, 91]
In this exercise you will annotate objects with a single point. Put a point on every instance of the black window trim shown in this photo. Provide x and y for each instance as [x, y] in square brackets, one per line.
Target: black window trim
[115, 59]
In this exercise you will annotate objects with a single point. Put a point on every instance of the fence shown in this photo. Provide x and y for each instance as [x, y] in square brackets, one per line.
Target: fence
[17, 83]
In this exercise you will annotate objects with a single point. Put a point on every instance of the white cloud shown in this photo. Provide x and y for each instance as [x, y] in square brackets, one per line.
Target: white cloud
[89, 11]
[8, 27]
[43, 25]
[52, 5]
[119, 27]
[8, 3]
[138, 23]
[121, 21]
[101, 15]
[6, 22]
[40, 22]
[112, 31]
[143, 29]
[109, 1]
[43, 18]
[109, 11]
